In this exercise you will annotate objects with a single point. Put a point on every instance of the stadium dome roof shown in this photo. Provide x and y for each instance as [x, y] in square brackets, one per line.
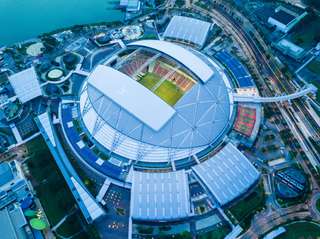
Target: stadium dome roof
[200, 116]
[190, 60]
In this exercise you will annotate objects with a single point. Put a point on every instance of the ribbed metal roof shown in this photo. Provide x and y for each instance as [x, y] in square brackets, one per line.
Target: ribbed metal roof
[228, 174]
[187, 29]
[26, 85]
[160, 196]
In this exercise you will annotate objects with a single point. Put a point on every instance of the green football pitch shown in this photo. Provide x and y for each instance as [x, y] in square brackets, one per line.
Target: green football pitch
[149, 80]
[167, 91]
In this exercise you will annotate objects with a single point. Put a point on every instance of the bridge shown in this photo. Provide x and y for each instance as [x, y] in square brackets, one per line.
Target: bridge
[258, 99]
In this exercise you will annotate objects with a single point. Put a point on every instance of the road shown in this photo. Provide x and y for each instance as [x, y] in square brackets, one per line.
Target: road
[267, 69]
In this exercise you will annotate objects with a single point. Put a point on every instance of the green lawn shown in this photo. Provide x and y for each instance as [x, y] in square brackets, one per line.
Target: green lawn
[217, 233]
[307, 33]
[48, 182]
[301, 230]
[246, 208]
[51, 188]
[316, 83]
[318, 205]
[314, 66]
[3, 78]
[169, 92]
[149, 80]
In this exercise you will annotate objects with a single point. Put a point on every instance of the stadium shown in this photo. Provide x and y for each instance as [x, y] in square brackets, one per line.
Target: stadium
[152, 116]
[153, 126]
[161, 104]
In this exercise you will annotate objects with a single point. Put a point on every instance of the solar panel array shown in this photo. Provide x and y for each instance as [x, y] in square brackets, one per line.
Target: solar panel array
[238, 70]
[228, 174]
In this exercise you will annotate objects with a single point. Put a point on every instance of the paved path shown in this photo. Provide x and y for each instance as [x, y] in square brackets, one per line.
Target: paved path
[269, 218]
[257, 99]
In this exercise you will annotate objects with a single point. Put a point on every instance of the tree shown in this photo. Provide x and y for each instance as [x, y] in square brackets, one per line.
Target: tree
[183, 235]
[70, 60]
[312, 3]
[50, 43]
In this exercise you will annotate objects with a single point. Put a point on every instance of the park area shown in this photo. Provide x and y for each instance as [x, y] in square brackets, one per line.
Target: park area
[314, 66]
[301, 230]
[217, 233]
[307, 33]
[318, 205]
[167, 90]
[311, 74]
[244, 210]
[52, 191]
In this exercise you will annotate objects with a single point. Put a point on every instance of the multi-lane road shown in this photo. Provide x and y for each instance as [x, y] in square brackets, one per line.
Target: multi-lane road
[295, 115]
[266, 68]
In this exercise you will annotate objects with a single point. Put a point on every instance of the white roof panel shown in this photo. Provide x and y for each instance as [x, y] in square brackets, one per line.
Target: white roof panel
[228, 174]
[159, 196]
[195, 64]
[45, 121]
[26, 85]
[131, 96]
[91, 205]
[187, 29]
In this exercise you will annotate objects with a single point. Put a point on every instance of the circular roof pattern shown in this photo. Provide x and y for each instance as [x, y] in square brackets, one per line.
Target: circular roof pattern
[202, 114]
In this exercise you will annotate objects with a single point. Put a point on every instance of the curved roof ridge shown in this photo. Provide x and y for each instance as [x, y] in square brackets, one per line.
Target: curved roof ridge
[186, 57]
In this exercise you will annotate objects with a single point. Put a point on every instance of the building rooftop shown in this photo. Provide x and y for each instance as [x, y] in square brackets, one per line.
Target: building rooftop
[130, 96]
[283, 16]
[289, 48]
[26, 85]
[228, 174]
[130, 5]
[159, 196]
[13, 187]
[91, 205]
[201, 116]
[12, 224]
[188, 30]
[202, 70]
[6, 174]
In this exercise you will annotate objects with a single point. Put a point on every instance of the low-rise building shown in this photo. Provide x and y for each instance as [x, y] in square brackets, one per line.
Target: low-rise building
[13, 224]
[130, 5]
[13, 186]
[14, 189]
[290, 49]
[187, 30]
[284, 19]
